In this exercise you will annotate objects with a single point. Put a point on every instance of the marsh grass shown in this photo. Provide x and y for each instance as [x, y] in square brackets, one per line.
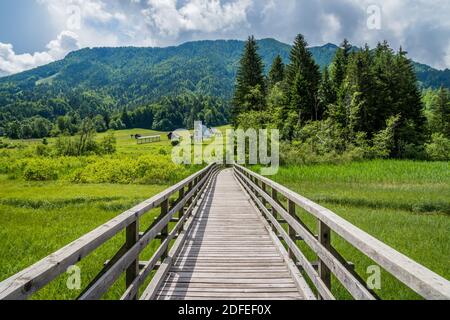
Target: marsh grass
[402, 203]
[40, 218]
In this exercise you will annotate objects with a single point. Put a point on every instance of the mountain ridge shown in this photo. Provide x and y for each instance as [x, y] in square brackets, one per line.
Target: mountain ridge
[134, 76]
[331, 47]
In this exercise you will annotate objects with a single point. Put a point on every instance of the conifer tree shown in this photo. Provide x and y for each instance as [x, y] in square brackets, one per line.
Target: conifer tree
[276, 73]
[407, 102]
[340, 98]
[250, 77]
[303, 69]
[357, 93]
[326, 93]
[384, 84]
[441, 113]
[339, 67]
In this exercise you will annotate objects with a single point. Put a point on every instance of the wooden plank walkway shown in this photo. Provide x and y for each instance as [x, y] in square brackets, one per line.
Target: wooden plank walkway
[230, 253]
[214, 243]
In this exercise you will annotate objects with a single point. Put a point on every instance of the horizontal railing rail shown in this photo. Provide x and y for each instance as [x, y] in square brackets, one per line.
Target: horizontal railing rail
[27, 282]
[266, 195]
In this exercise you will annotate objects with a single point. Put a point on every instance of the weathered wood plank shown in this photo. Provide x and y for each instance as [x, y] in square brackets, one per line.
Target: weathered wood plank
[234, 286]
[422, 280]
[25, 283]
[294, 250]
[105, 282]
[356, 289]
[133, 289]
[229, 252]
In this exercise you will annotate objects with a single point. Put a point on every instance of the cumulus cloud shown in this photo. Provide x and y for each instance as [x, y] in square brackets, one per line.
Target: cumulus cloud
[11, 63]
[195, 15]
[94, 10]
[420, 26]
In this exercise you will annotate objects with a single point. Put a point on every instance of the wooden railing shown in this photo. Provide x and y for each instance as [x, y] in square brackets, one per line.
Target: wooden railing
[149, 139]
[267, 194]
[24, 284]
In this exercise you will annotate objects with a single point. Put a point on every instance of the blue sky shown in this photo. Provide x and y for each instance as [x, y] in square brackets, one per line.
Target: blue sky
[35, 32]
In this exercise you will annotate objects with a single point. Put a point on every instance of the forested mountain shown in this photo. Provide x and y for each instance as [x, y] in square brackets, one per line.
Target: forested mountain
[133, 76]
[102, 81]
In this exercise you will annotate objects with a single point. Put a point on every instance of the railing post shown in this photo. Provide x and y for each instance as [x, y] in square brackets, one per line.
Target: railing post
[264, 189]
[190, 186]
[196, 185]
[165, 230]
[181, 197]
[253, 179]
[132, 237]
[274, 211]
[275, 198]
[325, 240]
[292, 233]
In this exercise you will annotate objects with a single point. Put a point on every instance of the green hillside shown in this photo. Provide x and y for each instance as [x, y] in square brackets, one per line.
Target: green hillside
[103, 80]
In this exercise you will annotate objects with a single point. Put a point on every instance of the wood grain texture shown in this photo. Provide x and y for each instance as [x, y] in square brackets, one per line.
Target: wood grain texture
[229, 253]
[32, 279]
[423, 281]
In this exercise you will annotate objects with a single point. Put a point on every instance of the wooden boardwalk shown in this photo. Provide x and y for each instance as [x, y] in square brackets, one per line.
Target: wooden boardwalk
[227, 234]
[230, 253]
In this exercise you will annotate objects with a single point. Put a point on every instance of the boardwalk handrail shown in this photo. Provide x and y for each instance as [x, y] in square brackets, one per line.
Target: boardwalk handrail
[265, 193]
[25, 283]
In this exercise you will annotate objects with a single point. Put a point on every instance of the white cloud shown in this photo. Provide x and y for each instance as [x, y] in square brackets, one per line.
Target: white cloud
[67, 41]
[420, 26]
[205, 16]
[11, 63]
[95, 10]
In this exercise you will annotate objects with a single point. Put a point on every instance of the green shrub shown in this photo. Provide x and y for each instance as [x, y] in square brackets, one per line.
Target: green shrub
[66, 146]
[163, 152]
[40, 170]
[439, 148]
[108, 144]
[84, 143]
[42, 150]
[254, 120]
[147, 169]
[383, 141]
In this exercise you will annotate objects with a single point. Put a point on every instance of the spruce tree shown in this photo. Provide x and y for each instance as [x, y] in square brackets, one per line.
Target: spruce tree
[276, 73]
[250, 77]
[326, 93]
[341, 97]
[441, 113]
[302, 68]
[407, 102]
[384, 85]
[339, 67]
[357, 95]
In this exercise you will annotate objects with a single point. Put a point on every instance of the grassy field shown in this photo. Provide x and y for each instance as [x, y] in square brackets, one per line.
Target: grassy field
[39, 217]
[405, 204]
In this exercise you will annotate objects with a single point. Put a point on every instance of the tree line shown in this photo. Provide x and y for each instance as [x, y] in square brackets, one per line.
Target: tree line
[169, 113]
[366, 104]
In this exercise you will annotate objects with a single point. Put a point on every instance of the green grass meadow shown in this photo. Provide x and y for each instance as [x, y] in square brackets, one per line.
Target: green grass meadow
[405, 204]
[39, 217]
